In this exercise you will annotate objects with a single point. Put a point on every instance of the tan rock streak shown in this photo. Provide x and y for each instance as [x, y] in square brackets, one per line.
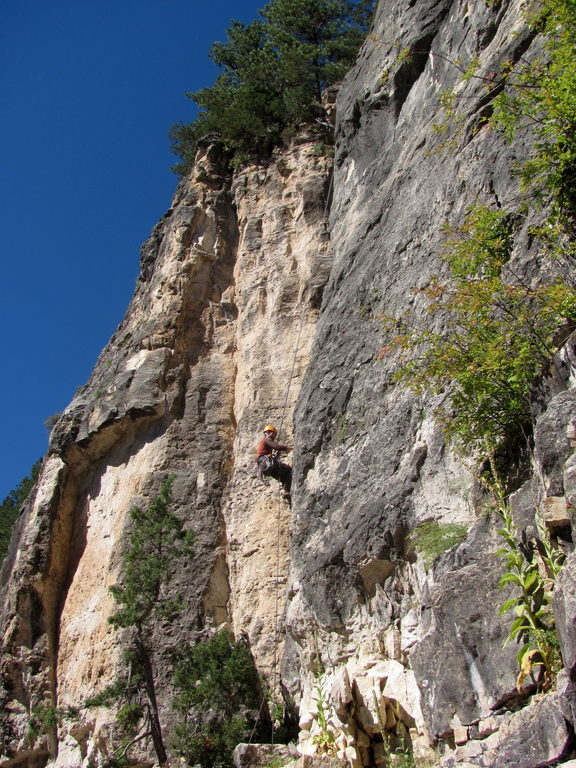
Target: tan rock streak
[283, 262]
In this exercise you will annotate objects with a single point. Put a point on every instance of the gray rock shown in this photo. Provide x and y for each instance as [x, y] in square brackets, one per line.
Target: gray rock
[461, 665]
[366, 450]
[552, 441]
[523, 505]
[175, 392]
[537, 736]
[565, 613]
[260, 755]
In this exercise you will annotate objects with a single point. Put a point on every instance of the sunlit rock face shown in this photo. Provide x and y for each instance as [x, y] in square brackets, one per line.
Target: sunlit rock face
[282, 265]
[213, 346]
[159, 403]
[260, 300]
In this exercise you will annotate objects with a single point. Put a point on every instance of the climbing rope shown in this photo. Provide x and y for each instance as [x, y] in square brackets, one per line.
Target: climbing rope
[278, 533]
[302, 316]
[326, 204]
[279, 511]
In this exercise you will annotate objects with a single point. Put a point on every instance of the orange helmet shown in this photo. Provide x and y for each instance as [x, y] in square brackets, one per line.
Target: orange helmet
[270, 428]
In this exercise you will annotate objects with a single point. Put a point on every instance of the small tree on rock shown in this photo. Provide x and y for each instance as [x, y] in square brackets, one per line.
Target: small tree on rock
[10, 507]
[218, 699]
[157, 540]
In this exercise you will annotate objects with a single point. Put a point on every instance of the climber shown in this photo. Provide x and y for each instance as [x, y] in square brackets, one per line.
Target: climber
[268, 462]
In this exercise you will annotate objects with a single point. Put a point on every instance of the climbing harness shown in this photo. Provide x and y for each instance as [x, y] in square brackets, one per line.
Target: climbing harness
[266, 463]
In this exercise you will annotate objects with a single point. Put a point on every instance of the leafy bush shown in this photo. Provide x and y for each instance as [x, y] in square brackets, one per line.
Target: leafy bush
[497, 335]
[541, 93]
[325, 739]
[44, 718]
[218, 696]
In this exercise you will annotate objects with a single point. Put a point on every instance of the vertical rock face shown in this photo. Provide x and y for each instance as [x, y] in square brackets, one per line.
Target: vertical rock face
[371, 465]
[282, 265]
[260, 301]
[159, 402]
[214, 344]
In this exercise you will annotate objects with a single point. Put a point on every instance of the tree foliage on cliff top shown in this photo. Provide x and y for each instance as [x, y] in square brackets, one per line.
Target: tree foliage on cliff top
[273, 73]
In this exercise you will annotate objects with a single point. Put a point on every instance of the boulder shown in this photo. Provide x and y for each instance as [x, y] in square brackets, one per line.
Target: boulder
[552, 444]
[260, 755]
[555, 513]
[536, 736]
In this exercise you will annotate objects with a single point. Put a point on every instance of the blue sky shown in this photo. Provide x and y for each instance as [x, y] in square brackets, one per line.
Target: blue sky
[88, 92]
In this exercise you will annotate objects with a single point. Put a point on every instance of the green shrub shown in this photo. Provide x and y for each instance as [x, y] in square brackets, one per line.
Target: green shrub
[217, 699]
[540, 93]
[432, 539]
[325, 739]
[498, 334]
[44, 718]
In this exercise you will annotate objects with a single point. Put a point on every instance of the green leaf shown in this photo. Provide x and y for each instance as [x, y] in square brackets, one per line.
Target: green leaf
[523, 650]
[510, 578]
[531, 579]
[508, 604]
[518, 625]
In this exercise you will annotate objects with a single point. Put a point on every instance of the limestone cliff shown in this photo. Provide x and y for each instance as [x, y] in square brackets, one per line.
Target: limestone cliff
[370, 464]
[214, 343]
[258, 301]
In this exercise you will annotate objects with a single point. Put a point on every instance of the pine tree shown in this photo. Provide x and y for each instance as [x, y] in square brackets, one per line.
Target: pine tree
[218, 695]
[273, 74]
[317, 42]
[156, 541]
[244, 105]
[10, 507]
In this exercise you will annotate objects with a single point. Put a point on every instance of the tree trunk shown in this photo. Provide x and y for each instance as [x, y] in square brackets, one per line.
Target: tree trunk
[155, 728]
